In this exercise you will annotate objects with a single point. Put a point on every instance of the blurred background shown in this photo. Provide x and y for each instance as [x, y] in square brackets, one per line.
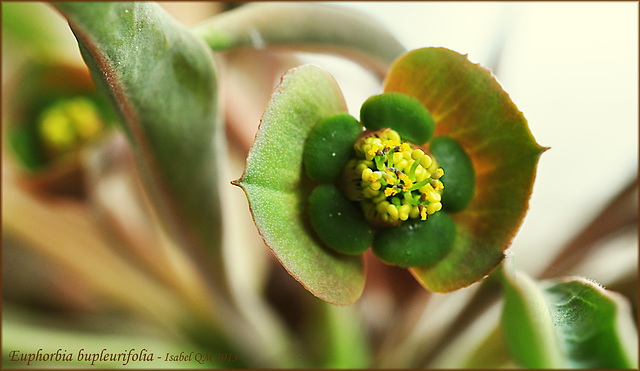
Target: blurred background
[86, 265]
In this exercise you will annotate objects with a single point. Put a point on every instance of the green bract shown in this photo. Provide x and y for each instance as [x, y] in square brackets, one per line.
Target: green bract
[399, 112]
[483, 153]
[329, 146]
[338, 222]
[460, 179]
[416, 243]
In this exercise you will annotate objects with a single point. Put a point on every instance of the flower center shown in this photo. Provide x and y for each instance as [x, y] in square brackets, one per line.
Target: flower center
[392, 180]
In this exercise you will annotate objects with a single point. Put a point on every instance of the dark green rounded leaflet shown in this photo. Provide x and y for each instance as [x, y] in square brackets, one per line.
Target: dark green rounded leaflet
[402, 113]
[338, 222]
[459, 176]
[329, 146]
[416, 243]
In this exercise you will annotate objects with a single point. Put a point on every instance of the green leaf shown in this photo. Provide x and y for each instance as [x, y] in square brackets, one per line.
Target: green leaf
[278, 190]
[468, 105]
[528, 325]
[342, 337]
[305, 27]
[567, 323]
[490, 354]
[36, 30]
[162, 80]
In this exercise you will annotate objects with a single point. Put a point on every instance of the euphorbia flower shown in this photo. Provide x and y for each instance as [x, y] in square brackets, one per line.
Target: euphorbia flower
[438, 182]
[56, 112]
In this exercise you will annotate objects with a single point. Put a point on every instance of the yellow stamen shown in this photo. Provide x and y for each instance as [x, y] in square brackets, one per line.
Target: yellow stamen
[433, 167]
[390, 191]
[417, 154]
[388, 176]
[423, 212]
[391, 143]
[397, 157]
[392, 210]
[433, 207]
[437, 174]
[421, 174]
[414, 213]
[437, 185]
[433, 196]
[426, 162]
[384, 183]
[371, 153]
[366, 175]
[402, 164]
[403, 212]
[393, 135]
[405, 179]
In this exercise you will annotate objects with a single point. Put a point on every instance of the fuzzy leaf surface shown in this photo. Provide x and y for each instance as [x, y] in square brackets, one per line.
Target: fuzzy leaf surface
[278, 189]
[567, 323]
[162, 81]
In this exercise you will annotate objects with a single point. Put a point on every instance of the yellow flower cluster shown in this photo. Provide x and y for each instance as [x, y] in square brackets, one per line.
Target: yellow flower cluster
[392, 180]
[69, 123]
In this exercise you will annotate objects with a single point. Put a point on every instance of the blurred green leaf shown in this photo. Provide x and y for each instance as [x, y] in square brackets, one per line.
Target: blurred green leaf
[469, 105]
[278, 190]
[305, 27]
[342, 338]
[29, 27]
[528, 325]
[492, 353]
[567, 323]
[39, 86]
[162, 80]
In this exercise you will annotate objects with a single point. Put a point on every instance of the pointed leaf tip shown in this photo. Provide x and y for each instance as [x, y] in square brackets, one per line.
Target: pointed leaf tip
[278, 190]
[469, 105]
